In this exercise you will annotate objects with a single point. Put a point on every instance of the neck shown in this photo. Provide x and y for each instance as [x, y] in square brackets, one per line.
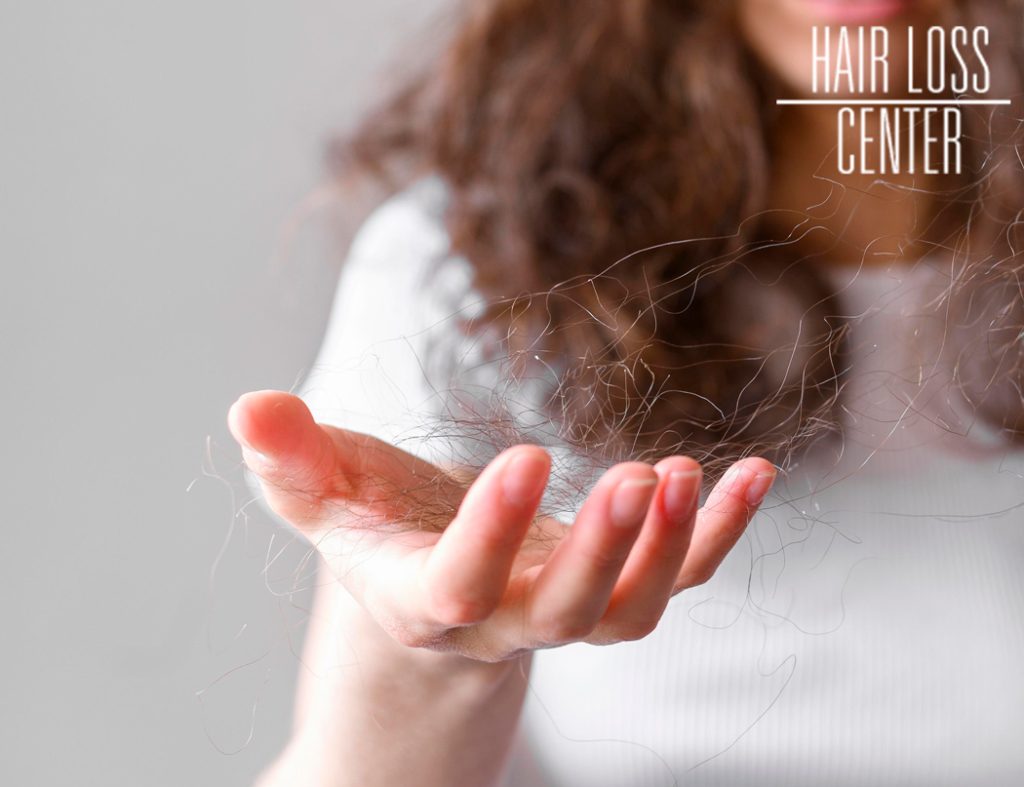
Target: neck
[844, 219]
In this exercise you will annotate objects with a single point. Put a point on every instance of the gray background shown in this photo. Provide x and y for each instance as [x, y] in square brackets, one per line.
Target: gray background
[153, 156]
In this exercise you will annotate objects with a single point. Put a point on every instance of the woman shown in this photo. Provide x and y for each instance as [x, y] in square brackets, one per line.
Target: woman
[621, 281]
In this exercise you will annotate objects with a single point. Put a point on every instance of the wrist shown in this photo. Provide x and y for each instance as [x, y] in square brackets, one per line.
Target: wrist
[361, 692]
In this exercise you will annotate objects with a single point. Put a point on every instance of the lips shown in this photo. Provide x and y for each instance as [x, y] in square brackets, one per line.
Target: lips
[853, 12]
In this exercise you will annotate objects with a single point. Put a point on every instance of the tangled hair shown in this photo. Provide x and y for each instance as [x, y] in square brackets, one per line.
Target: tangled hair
[607, 164]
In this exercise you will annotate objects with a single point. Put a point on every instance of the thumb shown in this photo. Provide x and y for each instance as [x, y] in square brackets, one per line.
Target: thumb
[293, 458]
[313, 474]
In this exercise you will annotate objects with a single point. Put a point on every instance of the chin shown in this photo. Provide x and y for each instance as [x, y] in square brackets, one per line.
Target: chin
[853, 12]
[780, 31]
[859, 12]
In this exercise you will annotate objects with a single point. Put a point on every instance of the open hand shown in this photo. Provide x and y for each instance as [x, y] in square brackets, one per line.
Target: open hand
[473, 569]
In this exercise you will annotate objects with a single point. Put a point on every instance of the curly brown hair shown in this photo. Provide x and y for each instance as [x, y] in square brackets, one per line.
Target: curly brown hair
[607, 164]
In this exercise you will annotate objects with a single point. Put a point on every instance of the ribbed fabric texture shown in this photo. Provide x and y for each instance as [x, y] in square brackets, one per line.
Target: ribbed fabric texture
[868, 629]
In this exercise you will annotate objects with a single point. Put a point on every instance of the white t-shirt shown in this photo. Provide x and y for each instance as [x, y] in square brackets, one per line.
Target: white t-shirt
[868, 628]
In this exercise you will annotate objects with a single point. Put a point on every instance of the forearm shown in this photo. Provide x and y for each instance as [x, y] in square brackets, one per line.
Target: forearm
[373, 712]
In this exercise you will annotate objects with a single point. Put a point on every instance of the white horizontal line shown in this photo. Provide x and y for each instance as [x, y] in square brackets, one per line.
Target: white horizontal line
[893, 102]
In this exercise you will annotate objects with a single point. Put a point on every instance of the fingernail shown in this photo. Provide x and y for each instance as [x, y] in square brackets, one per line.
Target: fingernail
[681, 494]
[630, 501]
[759, 487]
[732, 476]
[523, 479]
[252, 457]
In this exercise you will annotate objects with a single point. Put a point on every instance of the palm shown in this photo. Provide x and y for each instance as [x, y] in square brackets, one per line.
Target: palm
[365, 549]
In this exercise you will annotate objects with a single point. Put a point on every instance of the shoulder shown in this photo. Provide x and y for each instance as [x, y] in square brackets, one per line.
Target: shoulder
[400, 274]
[405, 235]
[401, 292]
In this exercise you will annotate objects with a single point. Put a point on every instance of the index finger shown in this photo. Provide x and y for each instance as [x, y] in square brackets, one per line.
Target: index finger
[467, 571]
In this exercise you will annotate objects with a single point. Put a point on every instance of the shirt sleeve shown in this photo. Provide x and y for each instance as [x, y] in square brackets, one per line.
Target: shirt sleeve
[397, 363]
[399, 294]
